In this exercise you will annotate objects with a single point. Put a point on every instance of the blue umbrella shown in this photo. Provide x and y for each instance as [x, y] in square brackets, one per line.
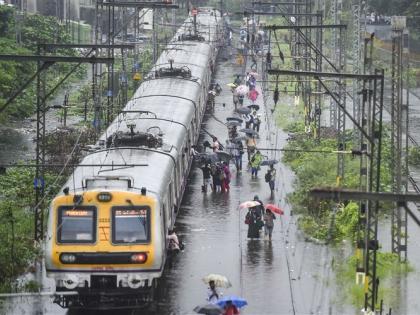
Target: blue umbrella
[236, 300]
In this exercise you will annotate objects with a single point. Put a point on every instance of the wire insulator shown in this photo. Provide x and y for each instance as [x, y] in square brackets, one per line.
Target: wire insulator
[276, 95]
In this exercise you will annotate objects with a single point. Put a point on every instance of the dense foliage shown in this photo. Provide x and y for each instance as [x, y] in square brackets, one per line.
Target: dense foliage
[32, 29]
[389, 270]
[17, 248]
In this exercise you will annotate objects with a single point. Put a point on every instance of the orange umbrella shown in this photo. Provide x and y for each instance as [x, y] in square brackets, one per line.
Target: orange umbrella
[274, 208]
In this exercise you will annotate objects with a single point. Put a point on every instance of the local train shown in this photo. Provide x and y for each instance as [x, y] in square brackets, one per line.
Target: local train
[106, 240]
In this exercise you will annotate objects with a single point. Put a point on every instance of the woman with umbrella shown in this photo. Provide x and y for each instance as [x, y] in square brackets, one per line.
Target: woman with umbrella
[269, 218]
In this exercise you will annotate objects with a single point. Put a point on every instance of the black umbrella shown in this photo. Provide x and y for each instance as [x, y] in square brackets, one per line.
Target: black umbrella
[223, 156]
[233, 123]
[249, 131]
[254, 106]
[207, 157]
[269, 162]
[234, 119]
[237, 139]
[244, 110]
[208, 309]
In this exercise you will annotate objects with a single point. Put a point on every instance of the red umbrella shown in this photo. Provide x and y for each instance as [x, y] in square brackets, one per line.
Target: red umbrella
[274, 208]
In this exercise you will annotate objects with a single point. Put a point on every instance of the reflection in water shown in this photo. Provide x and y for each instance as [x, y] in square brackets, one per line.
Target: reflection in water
[253, 252]
[268, 253]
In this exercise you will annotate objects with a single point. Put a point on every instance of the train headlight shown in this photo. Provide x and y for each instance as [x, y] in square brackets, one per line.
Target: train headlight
[135, 282]
[139, 258]
[67, 258]
[104, 197]
[71, 282]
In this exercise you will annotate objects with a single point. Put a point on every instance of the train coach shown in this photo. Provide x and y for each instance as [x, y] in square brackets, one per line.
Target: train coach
[106, 238]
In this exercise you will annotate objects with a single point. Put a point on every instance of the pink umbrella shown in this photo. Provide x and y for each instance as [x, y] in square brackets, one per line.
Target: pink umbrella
[241, 90]
[254, 74]
[274, 208]
[249, 204]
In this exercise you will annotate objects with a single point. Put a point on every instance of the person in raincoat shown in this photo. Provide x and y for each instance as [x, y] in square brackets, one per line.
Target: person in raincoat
[253, 95]
[256, 161]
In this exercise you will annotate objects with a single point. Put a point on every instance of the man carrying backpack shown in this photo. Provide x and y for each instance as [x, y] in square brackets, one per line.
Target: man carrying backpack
[270, 178]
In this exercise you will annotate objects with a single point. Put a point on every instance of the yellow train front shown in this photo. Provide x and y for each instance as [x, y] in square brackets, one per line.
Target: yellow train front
[102, 240]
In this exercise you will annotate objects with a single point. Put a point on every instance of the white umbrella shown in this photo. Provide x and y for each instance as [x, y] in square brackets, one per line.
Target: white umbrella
[219, 280]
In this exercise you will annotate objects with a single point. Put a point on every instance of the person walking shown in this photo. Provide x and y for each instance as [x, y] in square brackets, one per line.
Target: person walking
[256, 123]
[238, 80]
[217, 174]
[248, 120]
[251, 144]
[237, 152]
[253, 95]
[270, 178]
[256, 161]
[226, 177]
[269, 218]
[206, 177]
[216, 145]
[251, 220]
[212, 295]
[268, 60]
[230, 309]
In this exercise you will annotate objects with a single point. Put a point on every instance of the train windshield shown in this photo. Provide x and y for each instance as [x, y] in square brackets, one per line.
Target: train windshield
[76, 225]
[130, 225]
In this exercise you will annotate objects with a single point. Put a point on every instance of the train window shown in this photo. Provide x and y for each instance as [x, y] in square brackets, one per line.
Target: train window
[76, 224]
[130, 225]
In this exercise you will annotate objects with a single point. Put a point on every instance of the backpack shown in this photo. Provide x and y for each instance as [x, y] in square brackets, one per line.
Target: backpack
[267, 177]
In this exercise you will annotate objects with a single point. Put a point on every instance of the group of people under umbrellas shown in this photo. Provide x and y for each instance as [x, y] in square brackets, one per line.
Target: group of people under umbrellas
[216, 302]
[216, 172]
[258, 217]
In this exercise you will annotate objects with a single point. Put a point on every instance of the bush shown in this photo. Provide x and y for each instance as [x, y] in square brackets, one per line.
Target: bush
[17, 232]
